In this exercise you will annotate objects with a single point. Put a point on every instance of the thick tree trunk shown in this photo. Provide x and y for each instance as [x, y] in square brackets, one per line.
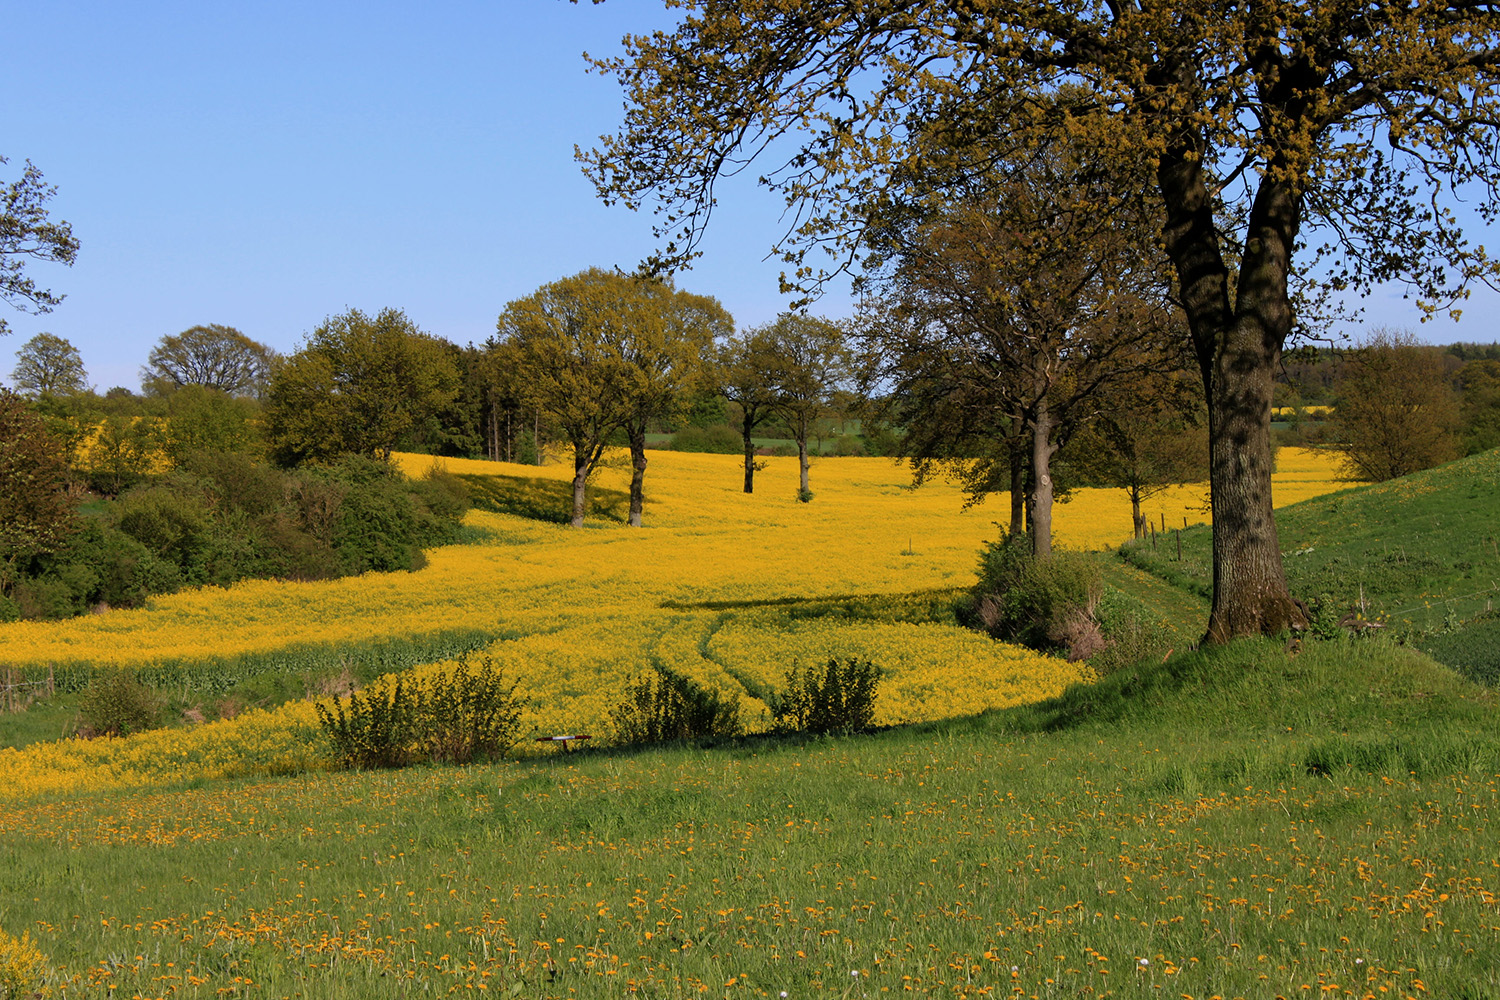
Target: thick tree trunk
[749, 457]
[1017, 488]
[1137, 519]
[581, 465]
[1238, 350]
[802, 453]
[637, 474]
[1041, 482]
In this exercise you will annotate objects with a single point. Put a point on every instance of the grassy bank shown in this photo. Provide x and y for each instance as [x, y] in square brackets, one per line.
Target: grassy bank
[1241, 823]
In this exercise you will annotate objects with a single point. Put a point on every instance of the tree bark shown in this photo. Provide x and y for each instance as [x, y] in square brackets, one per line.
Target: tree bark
[1041, 481]
[581, 466]
[637, 473]
[749, 454]
[1237, 349]
[1137, 519]
[802, 452]
[1017, 488]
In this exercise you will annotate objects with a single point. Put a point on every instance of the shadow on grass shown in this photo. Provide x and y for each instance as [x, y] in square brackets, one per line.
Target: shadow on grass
[916, 606]
[549, 500]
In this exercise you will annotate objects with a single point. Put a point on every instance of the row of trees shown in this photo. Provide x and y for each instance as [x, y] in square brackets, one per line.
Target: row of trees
[1251, 139]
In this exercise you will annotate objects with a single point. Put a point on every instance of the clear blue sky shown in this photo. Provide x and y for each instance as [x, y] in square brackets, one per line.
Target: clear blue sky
[266, 165]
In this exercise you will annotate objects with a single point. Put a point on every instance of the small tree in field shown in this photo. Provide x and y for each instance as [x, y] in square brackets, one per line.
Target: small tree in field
[1396, 413]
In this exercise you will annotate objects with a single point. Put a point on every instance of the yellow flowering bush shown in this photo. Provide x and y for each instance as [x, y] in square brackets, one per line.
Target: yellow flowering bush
[24, 970]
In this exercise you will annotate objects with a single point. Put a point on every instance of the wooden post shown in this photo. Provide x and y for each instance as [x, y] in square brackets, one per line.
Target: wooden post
[1179, 546]
[1164, 522]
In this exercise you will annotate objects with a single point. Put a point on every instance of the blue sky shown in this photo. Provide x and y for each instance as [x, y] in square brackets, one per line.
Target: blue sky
[267, 165]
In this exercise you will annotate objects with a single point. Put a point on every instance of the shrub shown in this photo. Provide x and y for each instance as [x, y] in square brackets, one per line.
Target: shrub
[838, 698]
[457, 716]
[24, 970]
[117, 704]
[1046, 604]
[377, 731]
[467, 714]
[719, 439]
[664, 706]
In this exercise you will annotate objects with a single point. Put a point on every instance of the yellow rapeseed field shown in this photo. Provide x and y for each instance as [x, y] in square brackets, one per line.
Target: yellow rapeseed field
[585, 611]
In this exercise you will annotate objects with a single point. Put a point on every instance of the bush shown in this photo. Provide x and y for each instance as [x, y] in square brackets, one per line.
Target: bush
[456, 717]
[663, 706]
[117, 704]
[1047, 605]
[467, 715]
[838, 698]
[718, 439]
[377, 731]
[24, 970]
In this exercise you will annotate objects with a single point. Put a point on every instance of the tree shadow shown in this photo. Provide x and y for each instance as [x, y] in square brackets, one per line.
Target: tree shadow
[549, 500]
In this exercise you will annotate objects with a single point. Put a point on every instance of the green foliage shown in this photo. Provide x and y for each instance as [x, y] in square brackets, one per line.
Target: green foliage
[36, 510]
[664, 706]
[804, 495]
[457, 716]
[379, 729]
[1396, 412]
[47, 365]
[468, 713]
[717, 439]
[27, 234]
[222, 516]
[837, 698]
[118, 704]
[357, 386]
[1042, 603]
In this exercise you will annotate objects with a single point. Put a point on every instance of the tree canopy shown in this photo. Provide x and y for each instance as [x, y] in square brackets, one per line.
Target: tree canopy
[357, 385]
[214, 357]
[27, 234]
[1274, 135]
[600, 352]
[47, 365]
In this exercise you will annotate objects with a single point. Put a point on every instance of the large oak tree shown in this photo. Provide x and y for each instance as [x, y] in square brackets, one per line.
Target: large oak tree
[1276, 134]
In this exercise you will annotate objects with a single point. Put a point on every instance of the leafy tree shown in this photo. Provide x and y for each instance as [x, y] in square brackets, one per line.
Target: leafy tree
[27, 234]
[1274, 134]
[1479, 404]
[746, 372]
[1008, 288]
[667, 350]
[47, 365]
[809, 361]
[202, 419]
[214, 357]
[1396, 412]
[357, 385]
[600, 352]
[37, 511]
[1145, 444]
[565, 339]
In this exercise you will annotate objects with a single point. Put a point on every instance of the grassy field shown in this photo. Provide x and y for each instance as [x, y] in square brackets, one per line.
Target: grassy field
[1246, 823]
[1256, 821]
